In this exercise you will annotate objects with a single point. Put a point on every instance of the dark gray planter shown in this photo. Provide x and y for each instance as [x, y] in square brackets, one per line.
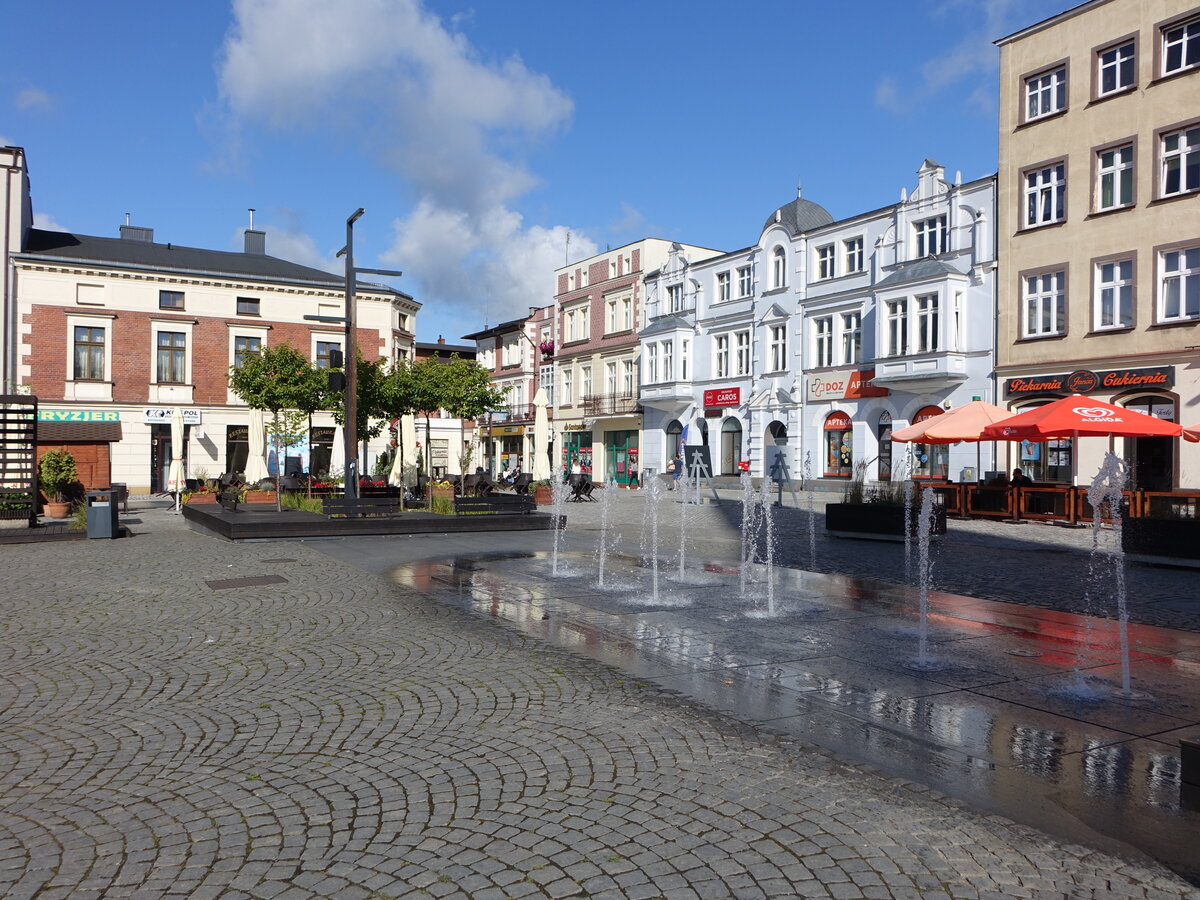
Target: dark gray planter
[1172, 542]
[878, 521]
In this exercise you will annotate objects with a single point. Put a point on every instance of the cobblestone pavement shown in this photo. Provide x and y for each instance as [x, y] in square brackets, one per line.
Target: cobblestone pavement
[166, 733]
[1034, 563]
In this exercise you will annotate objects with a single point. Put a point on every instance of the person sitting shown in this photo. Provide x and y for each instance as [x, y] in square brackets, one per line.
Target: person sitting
[1019, 479]
[505, 474]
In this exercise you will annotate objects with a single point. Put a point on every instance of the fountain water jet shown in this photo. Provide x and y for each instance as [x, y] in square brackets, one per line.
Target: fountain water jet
[923, 662]
[558, 496]
[654, 493]
[606, 494]
[749, 532]
[812, 519]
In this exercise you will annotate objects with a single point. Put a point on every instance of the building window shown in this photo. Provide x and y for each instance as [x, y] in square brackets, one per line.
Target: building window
[1045, 304]
[610, 377]
[628, 379]
[668, 361]
[652, 363]
[172, 357]
[567, 396]
[1045, 195]
[742, 339]
[778, 348]
[839, 446]
[242, 346]
[825, 261]
[779, 268]
[897, 327]
[170, 299]
[823, 341]
[1114, 177]
[1179, 291]
[685, 347]
[1181, 161]
[1181, 46]
[1115, 69]
[325, 353]
[745, 287]
[721, 355]
[851, 338]
[853, 254]
[931, 237]
[724, 287]
[1046, 93]
[674, 297]
[585, 381]
[89, 353]
[249, 306]
[1114, 294]
[927, 323]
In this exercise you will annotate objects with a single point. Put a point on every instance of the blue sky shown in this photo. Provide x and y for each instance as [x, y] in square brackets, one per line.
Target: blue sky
[476, 137]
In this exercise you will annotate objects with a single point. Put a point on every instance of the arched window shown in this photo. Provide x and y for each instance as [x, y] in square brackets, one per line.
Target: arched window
[731, 445]
[779, 268]
[674, 440]
[839, 446]
[929, 460]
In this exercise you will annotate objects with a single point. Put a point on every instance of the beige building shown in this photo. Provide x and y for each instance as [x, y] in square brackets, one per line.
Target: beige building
[1099, 228]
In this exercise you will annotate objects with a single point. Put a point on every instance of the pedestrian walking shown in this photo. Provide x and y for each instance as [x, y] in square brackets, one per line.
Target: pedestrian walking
[675, 467]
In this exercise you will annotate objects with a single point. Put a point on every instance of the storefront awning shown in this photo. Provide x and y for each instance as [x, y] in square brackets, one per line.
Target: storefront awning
[78, 432]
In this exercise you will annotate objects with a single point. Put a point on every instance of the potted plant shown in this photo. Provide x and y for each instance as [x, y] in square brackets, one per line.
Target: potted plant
[542, 494]
[876, 512]
[56, 473]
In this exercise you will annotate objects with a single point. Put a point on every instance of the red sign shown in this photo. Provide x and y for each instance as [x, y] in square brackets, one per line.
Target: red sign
[837, 421]
[723, 397]
[743, 465]
[846, 384]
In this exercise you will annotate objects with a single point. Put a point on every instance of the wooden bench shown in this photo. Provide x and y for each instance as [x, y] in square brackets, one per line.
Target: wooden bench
[361, 506]
[229, 499]
[494, 504]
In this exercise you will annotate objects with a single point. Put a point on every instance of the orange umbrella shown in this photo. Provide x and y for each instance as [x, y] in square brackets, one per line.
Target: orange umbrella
[966, 423]
[1079, 416]
[1192, 433]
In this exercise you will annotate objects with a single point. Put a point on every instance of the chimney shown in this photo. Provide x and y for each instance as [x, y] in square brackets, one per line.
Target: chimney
[256, 241]
[441, 340]
[134, 233]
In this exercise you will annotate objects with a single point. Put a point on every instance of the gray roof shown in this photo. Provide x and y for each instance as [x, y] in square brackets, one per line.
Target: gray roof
[669, 322]
[918, 271]
[800, 216]
[124, 253]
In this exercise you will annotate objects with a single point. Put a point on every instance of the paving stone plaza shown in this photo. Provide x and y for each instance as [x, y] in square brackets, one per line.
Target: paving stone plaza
[359, 723]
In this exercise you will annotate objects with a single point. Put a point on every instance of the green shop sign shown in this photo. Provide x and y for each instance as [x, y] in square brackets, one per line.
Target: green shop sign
[78, 415]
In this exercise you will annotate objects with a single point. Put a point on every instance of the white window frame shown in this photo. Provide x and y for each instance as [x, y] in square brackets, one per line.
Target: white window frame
[1116, 174]
[1187, 39]
[685, 346]
[721, 355]
[674, 298]
[851, 338]
[930, 237]
[104, 322]
[1044, 193]
[1176, 281]
[778, 346]
[1044, 296]
[853, 254]
[628, 377]
[1184, 158]
[1046, 93]
[897, 327]
[245, 333]
[778, 268]
[567, 394]
[585, 381]
[667, 351]
[724, 287]
[928, 320]
[652, 363]
[745, 281]
[826, 262]
[610, 378]
[1121, 61]
[823, 342]
[189, 345]
[1113, 304]
[741, 357]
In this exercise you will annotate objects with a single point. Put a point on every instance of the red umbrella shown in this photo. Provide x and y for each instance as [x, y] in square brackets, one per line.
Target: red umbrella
[1079, 416]
[1192, 433]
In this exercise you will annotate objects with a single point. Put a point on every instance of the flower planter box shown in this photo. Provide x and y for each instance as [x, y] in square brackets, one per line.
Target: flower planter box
[542, 495]
[259, 497]
[446, 492]
[201, 498]
[878, 521]
[1173, 542]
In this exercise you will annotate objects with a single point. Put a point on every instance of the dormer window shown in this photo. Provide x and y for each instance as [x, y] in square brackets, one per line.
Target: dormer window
[931, 237]
[674, 297]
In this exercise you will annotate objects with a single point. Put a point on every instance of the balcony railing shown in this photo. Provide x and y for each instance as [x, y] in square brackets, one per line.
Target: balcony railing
[516, 414]
[610, 404]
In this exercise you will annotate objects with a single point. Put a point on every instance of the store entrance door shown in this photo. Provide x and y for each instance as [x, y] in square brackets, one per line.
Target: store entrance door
[621, 456]
[160, 457]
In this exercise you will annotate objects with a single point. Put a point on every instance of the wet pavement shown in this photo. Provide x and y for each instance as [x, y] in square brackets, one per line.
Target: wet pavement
[1022, 714]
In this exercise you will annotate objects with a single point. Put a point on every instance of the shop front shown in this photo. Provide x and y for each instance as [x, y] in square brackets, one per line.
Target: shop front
[88, 435]
[576, 453]
[506, 447]
[1152, 460]
[621, 456]
[930, 461]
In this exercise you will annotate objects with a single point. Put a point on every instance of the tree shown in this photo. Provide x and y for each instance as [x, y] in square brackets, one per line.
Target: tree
[275, 379]
[467, 394]
[397, 399]
[427, 394]
[369, 405]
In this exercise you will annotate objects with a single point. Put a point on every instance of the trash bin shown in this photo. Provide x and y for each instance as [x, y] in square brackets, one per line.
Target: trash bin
[102, 514]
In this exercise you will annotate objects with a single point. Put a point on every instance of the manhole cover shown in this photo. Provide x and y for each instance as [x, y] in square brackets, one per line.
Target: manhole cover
[248, 581]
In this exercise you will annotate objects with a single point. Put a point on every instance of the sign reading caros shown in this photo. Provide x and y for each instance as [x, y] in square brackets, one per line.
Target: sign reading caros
[722, 397]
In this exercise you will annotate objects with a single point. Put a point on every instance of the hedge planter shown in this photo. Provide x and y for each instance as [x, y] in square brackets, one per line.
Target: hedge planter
[259, 497]
[1172, 542]
[197, 499]
[878, 521]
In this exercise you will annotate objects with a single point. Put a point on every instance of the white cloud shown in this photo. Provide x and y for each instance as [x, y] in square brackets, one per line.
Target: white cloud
[46, 222]
[419, 90]
[887, 94]
[32, 98]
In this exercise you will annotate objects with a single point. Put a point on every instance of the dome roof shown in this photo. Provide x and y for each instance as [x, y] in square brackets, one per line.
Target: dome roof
[799, 216]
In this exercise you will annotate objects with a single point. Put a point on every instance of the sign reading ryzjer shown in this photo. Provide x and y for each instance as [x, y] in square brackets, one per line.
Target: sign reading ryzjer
[722, 397]
[844, 384]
